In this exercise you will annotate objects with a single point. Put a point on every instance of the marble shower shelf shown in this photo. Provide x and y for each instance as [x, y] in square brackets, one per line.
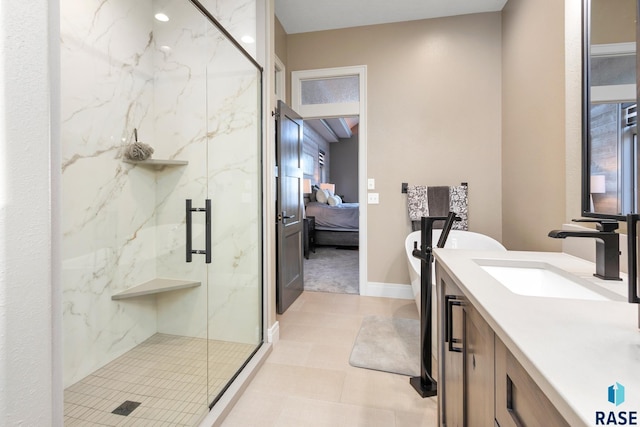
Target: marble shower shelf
[155, 286]
[157, 164]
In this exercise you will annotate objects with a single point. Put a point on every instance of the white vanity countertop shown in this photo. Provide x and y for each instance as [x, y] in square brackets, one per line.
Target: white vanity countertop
[573, 349]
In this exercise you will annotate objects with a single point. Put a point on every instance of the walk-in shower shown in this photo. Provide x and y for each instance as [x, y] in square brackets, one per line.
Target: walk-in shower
[148, 334]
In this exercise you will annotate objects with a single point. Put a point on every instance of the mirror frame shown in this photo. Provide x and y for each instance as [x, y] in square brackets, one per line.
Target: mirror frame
[586, 109]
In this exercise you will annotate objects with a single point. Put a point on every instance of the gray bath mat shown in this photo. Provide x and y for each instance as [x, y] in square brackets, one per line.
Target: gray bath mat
[388, 344]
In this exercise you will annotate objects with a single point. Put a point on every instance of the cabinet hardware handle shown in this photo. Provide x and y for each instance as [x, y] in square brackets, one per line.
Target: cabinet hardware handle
[510, 408]
[450, 301]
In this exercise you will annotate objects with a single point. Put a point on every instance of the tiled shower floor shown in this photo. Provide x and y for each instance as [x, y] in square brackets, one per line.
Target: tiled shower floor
[165, 374]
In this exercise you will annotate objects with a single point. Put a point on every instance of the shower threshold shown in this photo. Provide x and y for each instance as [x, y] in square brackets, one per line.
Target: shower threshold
[160, 382]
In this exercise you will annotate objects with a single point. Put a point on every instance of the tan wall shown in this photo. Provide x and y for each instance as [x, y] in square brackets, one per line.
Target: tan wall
[434, 117]
[613, 21]
[280, 37]
[533, 117]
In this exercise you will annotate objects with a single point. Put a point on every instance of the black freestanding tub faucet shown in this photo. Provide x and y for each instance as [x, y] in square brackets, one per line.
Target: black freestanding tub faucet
[425, 385]
[607, 246]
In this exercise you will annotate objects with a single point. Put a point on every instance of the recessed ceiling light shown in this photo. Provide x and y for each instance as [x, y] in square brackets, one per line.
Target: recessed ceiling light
[247, 39]
[161, 17]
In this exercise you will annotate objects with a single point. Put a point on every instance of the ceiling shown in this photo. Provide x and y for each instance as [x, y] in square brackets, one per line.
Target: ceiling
[334, 129]
[302, 16]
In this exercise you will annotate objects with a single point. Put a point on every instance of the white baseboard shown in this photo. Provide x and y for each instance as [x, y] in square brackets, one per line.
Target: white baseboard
[388, 290]
[273, 333]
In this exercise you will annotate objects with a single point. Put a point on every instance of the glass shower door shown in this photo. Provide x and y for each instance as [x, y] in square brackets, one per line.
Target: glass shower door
[181, 42]
[211, 118]
[235, 189]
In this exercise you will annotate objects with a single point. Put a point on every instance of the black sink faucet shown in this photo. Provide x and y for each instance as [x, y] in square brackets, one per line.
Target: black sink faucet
[607, 246]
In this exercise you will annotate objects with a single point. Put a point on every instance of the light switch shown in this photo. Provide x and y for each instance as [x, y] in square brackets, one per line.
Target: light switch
[371, 184]
[373, 198]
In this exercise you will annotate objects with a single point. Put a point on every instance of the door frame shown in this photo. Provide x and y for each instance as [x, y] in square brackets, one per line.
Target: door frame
[340, 110]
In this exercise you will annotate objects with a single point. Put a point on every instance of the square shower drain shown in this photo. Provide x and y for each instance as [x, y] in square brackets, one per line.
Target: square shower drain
[126, 408]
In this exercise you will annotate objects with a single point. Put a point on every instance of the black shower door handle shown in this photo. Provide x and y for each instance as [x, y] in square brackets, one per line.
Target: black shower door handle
[189, 230]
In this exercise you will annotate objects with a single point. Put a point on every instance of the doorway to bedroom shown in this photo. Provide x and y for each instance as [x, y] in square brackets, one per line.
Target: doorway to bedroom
[332, 103]
[330, 168]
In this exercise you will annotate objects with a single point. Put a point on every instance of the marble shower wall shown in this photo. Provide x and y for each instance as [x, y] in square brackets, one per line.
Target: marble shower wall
[191, 98]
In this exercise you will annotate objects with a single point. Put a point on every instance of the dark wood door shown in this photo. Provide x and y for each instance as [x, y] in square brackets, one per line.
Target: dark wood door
[289, 134]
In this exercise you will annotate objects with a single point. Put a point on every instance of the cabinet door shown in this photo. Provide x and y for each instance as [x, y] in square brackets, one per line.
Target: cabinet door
[450, 353]
[479, 369]
[519, 401]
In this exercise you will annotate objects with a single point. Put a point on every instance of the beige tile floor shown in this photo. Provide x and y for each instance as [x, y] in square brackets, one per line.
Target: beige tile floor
[166, 374]
[307, 380]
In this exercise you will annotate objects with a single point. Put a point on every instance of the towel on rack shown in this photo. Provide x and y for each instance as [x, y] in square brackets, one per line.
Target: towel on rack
[459, 203]
[438, 201]
[417, 202]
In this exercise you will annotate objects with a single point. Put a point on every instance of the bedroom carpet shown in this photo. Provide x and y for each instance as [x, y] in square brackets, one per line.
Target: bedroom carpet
[332, 270]
[388, 344]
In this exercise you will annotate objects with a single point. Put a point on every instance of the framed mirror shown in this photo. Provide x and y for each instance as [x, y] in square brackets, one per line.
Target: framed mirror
[610, 154]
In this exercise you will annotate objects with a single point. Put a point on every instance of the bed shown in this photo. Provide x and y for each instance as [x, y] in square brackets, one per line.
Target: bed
[335, 225]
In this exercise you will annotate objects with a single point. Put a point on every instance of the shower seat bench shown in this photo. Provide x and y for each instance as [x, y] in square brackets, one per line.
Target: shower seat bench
[155, 286]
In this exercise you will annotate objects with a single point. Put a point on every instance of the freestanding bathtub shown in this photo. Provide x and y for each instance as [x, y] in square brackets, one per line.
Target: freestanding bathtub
[457, 239]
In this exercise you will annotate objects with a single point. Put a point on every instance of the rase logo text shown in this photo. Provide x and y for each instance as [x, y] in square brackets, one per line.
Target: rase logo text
[615, 396]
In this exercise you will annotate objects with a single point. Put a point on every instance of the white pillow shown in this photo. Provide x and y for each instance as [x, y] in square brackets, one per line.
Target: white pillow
[322, 196]
[334, 200]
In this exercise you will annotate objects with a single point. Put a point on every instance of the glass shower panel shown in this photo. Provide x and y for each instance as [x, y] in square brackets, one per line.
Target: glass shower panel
[239, 18]
[135, 313]
[234, 178]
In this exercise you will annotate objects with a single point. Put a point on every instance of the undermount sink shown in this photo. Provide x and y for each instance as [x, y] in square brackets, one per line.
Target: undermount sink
[543, 280]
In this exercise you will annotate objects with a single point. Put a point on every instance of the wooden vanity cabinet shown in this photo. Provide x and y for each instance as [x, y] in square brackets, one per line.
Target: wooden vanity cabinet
[467, 360]
[519, 401]
[480, 382]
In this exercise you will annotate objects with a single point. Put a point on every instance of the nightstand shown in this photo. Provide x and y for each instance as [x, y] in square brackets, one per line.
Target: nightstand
[309, 229]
